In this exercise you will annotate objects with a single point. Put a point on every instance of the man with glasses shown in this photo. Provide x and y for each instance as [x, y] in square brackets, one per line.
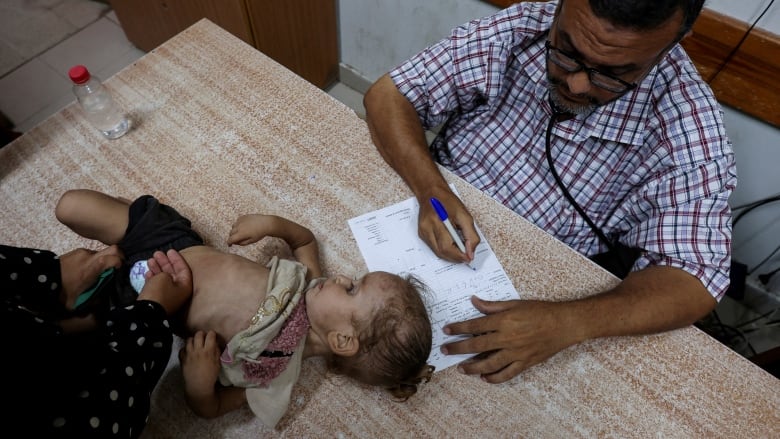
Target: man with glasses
[589, 120]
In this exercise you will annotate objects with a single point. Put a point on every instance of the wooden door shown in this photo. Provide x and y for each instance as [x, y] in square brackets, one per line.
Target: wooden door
[149, 23]
[300, 34]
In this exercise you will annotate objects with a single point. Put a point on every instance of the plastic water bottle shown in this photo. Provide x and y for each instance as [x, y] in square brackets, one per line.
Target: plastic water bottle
[98, 105]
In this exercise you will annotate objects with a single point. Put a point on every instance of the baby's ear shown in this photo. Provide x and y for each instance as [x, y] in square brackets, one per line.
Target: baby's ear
[345, 345]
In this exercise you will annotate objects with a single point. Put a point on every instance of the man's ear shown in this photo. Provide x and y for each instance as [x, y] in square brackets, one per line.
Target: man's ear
[345, 345]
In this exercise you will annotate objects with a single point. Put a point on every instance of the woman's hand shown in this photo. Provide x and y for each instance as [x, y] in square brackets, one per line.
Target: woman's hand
[168, 281]
[80, 269]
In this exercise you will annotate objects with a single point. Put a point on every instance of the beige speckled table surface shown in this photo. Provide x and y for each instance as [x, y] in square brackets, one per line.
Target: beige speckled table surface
[220, 130]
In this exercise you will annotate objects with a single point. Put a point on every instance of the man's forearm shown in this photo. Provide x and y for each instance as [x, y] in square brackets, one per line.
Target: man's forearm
[649, 301]
[399, 137]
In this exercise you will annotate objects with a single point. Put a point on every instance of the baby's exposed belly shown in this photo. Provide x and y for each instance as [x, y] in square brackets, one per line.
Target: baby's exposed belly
[227, 291]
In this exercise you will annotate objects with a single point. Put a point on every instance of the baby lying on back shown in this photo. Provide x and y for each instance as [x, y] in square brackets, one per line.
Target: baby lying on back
[249, 326]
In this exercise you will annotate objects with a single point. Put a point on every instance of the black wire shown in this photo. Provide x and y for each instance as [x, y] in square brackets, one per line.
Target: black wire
[764, 278]
[723, 333]
[754, 320]
[753, 206]
[766, 325]
[732, 330]
[742, 40]
[764, 261]
[747, 209]
[750, 204]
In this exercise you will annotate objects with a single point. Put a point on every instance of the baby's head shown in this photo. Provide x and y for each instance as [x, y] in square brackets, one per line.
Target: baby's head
[377, 328]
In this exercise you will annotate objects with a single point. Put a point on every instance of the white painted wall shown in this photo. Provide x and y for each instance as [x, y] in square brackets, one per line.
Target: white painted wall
[377, 35]
[748, 11]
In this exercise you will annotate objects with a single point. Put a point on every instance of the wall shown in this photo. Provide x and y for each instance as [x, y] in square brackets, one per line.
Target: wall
[376, 35]
[748, 11]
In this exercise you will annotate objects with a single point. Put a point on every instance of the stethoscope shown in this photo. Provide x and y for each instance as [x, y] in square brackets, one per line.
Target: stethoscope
[559, 116]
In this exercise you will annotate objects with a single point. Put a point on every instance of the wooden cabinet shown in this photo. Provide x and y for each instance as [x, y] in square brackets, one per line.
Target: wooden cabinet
[299, 34]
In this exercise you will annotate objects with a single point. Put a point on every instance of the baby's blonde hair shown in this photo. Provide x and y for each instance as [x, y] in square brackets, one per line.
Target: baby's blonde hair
[395, 342]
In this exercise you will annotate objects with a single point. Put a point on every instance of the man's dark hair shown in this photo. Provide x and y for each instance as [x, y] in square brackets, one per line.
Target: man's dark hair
[647, 14]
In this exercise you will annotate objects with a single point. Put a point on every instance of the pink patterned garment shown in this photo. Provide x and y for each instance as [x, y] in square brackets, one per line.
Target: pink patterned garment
[273, 360]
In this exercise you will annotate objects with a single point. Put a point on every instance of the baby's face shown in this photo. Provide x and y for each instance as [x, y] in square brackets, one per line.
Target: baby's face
[339, 300]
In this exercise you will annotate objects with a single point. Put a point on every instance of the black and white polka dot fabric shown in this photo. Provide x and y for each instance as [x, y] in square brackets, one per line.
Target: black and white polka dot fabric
[37, 272]
[96, 384]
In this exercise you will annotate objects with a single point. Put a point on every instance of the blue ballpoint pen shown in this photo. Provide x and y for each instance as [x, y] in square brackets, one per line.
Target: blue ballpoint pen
[445, 218]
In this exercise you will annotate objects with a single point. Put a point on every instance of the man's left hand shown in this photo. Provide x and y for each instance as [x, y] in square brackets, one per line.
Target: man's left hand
[512, 336]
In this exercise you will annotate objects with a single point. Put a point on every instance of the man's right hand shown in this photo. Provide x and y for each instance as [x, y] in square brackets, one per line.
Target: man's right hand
[433, 232]
[399, 137]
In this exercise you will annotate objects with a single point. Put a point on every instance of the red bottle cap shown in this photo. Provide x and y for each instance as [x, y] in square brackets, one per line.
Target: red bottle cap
[79, 74]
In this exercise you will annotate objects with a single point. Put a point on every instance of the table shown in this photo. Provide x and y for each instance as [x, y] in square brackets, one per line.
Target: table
[221, 130]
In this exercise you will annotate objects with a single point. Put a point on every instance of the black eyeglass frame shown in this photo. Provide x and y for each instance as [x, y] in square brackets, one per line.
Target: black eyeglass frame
[626, 86]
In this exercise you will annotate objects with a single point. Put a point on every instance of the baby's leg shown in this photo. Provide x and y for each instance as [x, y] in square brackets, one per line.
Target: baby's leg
[94, 215]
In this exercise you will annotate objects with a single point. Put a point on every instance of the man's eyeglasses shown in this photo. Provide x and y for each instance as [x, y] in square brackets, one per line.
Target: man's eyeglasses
[597, 78]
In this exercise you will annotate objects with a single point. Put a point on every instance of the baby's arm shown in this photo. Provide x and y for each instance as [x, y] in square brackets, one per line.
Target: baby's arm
[200, 367]
[249, 229]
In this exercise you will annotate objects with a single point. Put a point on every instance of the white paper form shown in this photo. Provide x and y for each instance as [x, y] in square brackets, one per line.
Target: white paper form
[388, 241]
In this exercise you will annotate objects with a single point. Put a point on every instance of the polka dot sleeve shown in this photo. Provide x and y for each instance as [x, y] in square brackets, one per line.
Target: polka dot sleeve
[93, 384]
[112, 399]
[30, 277]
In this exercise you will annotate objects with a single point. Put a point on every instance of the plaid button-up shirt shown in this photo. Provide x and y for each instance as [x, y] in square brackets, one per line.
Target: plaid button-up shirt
[653, 169]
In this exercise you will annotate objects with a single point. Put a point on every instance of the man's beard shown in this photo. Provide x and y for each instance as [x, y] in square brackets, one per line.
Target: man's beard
[565, 105]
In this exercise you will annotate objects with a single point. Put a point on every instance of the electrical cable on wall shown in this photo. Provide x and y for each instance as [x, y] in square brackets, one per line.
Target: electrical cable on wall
[744, 210]
[766, 276]
[713, 324]
[763, 316]
[734, 50]
[751, 206]
[752, 203]
[727, 334]
[737, 335]
[738, 275]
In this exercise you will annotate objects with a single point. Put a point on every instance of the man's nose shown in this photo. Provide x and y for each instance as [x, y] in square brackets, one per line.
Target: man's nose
[578, 82]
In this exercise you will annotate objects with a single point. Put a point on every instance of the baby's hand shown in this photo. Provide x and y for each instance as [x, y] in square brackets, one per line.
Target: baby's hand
[200, 364]
[249, 229]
